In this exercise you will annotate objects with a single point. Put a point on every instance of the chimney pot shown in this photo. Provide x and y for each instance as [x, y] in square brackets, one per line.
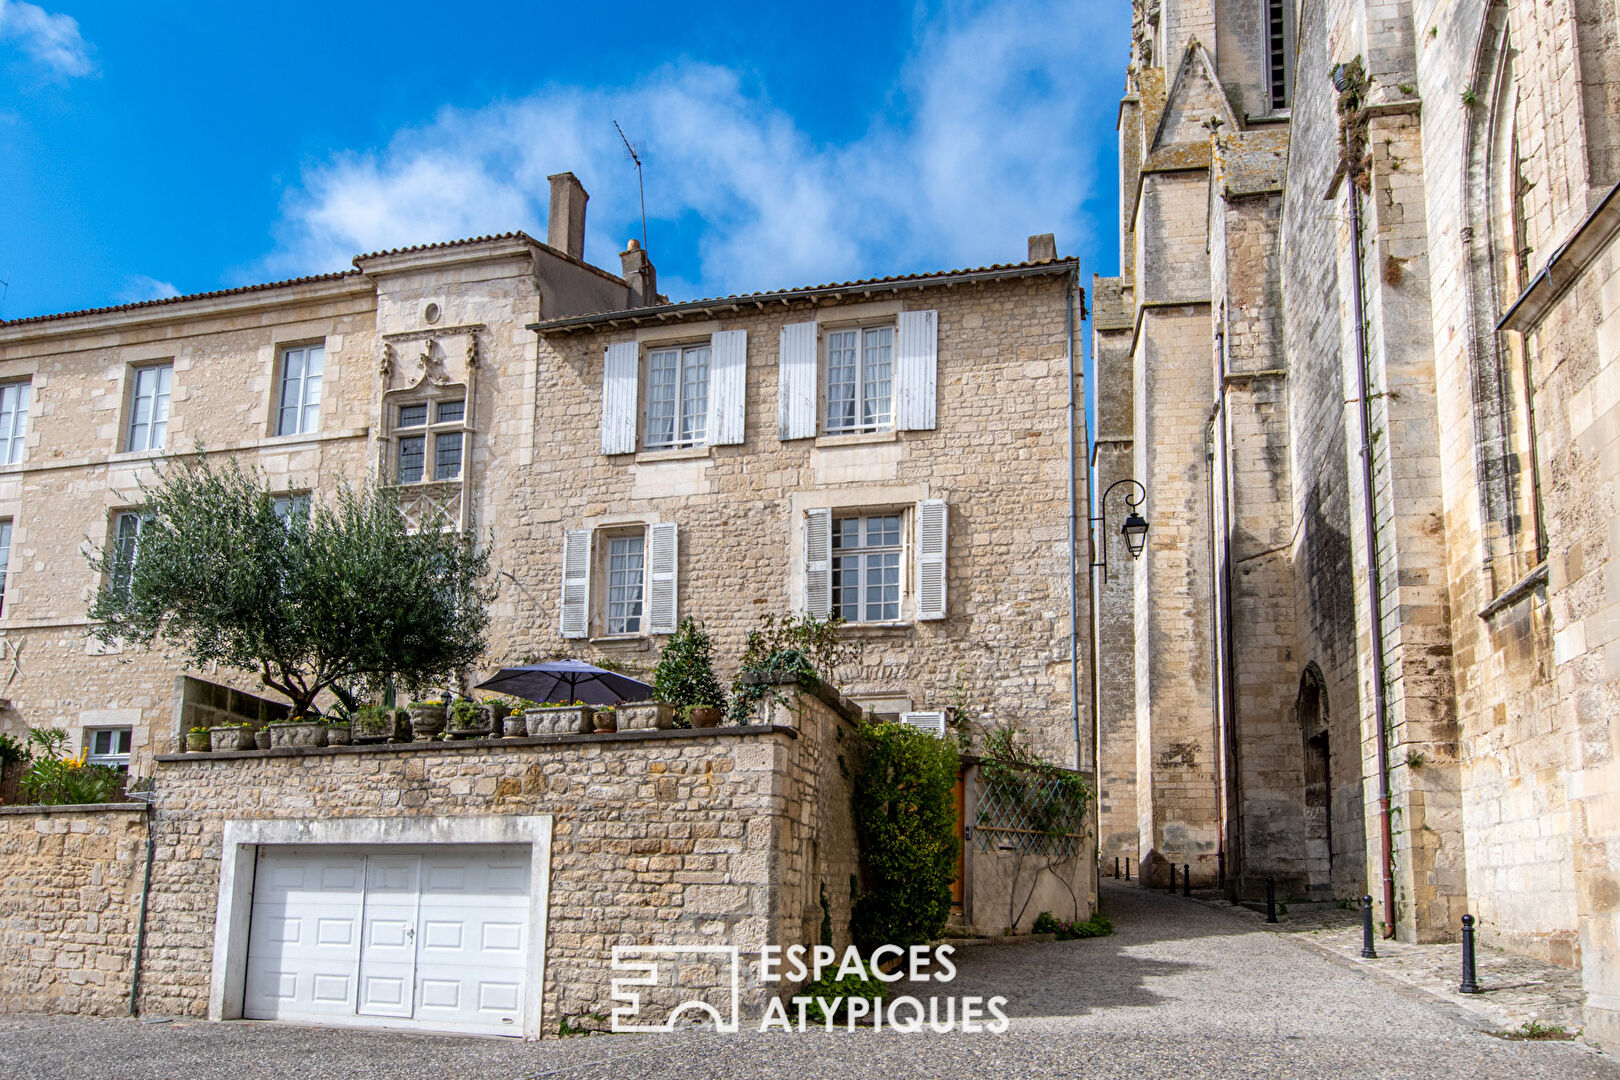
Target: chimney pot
[565, 226]
[1042, 248]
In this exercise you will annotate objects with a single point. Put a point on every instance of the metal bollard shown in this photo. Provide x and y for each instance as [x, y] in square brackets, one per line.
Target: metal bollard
[1116, 867]
[1127, 868]
[1186, 880]
[1470, 985]
[1271, 900]
[1367, 950]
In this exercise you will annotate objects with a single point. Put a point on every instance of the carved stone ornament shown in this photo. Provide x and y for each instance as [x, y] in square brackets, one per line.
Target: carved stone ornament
[386, 367]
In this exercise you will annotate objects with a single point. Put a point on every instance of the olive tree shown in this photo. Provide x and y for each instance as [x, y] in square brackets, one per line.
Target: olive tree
[338, 594]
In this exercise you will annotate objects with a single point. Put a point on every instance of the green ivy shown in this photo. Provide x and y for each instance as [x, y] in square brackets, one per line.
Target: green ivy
[905, 817]
[1053, 798]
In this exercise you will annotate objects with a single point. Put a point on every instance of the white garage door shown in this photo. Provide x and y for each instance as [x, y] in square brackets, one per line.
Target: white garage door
[424, 937]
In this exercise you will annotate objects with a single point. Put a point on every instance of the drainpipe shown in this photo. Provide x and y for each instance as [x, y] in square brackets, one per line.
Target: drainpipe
[146, 892]
[1074, 537]
[1374, 585]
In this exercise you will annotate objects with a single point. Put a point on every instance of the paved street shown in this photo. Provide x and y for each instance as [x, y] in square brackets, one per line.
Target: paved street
[1180, 991]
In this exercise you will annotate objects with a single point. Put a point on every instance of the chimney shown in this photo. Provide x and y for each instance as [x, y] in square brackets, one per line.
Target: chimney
[565, 227]
[1042, 248]
[639, 275]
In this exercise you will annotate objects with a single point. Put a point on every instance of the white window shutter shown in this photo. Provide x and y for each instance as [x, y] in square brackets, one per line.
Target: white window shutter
[931, 521]
[728, 386]
[818, 563]
[621, 364]
[931, 722]
[915, 370]
[574, 618]
[661, 570]
[796, 389]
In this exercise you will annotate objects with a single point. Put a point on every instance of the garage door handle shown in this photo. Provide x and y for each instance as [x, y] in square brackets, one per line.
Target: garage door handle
[410, 933]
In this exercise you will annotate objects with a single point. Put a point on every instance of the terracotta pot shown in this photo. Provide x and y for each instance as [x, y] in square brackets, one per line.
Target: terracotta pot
[298, 733]
[261, 739]
[197, 742]
[230, 738]
[605, 722]
[703, 716]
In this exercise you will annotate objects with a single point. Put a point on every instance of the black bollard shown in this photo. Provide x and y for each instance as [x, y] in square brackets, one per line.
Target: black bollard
[1367, 950]
[1186, 880]
[1271, 900]
[1127, 868]
[1116, 867]
[1469, 984]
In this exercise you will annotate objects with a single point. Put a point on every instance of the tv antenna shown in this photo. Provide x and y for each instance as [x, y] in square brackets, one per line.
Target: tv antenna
[639, 185]
[5, 288]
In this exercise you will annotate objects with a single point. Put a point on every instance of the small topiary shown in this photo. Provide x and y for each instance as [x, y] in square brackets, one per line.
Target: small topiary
[685, 673]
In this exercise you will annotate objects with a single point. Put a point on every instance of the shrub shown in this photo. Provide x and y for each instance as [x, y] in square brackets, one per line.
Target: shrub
[13, 752]
[685, 673]
[837, 990]
[905, 816]
[57, 781]
[1096, 926]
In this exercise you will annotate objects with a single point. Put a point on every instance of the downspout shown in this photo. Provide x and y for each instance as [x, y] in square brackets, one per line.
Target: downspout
[146, 892]
[1374, 585]
[1074, 531]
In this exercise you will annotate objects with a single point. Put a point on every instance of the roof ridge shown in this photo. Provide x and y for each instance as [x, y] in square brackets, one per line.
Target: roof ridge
[210, 294]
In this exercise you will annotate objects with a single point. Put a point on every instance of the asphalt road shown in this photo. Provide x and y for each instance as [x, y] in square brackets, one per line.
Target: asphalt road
[1179, 992]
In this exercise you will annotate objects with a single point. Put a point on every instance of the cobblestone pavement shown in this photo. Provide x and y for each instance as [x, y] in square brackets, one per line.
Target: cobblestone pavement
[1181, 991]
[1515, 990]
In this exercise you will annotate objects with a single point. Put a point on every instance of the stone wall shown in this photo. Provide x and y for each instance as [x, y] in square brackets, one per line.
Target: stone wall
[70, 892]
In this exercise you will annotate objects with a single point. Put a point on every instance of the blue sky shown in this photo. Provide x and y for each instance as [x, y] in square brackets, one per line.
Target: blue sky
[147, 149]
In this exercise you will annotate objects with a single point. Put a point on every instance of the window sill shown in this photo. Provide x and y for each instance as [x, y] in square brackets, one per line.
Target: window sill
[623, 642]
[137, 455]
[860, 438]
[875, 630]
[685, 453]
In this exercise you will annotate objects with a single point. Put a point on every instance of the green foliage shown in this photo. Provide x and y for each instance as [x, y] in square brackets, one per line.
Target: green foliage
[1536, 1031]
[53, 780]
[463, 714]
[837, 990]
[905, 816]
[685, 675]
[760, 681]
[1069, 930]
[344, 598]
[49, 741]
[816, 640]
[13, 752]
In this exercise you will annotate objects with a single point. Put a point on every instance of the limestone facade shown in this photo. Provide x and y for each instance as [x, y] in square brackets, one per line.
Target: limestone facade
[1399, 352]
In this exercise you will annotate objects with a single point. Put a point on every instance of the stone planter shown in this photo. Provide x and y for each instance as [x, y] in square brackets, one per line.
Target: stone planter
[477, 726]
[261, 739]
[197, 742]
[514, 726]
[605, 722]
[645, 715]
[559, 720]
[703, 716]
[299, 733]
[339, 734]
[391, 724]
[230, 738]
[427, 721]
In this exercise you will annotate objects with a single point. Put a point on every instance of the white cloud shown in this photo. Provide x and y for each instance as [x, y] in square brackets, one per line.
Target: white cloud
[982, 145]
[50, 40]
[138, 287]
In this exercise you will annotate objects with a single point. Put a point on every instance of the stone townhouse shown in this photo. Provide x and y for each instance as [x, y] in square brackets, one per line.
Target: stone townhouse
[1361, 354]
[898, 452]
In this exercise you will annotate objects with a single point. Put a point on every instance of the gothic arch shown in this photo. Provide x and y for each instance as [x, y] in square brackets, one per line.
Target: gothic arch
[1311, 711]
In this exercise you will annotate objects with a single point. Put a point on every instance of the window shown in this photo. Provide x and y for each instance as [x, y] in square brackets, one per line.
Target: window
[126, 536]
[410, 455]
[149, 408]
[299, 410]
[13, 420]
[677, 398]
[5, 563]
[107, 746]
[866, 568]
[626, 558]
[860, 380]
[1277, 63]
[287, 507]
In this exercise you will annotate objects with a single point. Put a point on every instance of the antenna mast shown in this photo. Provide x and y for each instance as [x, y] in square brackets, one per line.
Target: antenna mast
[639, 185]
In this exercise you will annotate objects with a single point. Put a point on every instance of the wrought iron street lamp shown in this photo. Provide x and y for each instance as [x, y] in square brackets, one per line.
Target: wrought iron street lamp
[1134, 530]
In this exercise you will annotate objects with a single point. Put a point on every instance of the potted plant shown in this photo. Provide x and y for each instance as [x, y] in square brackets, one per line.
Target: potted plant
[644, 715]
[559, 718]
[605, 721]
[261, 738]
[514, 725]
[467, 720]
[339, 731]
[427, 719]
[373, 724]
[197, 740]
[230, 737]
[685, 677]
[306, 733]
